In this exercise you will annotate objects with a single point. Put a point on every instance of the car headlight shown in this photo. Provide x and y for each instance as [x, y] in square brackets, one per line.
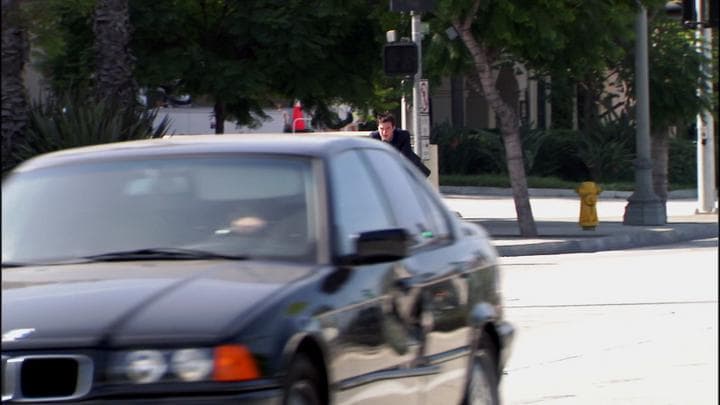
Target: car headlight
[222, 363]
[192, 364]
[145, 366]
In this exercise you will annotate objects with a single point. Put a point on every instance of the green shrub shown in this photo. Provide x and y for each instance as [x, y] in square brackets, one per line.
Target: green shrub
[602, 153]
[71, 120]
[475, 151]
[558, 157]
[475, 180]
[607, 149]
[503, 181]
[532, 141]
[682, 162]
[468, 151]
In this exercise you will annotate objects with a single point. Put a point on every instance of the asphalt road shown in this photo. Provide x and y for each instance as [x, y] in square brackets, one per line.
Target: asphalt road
[620, 327]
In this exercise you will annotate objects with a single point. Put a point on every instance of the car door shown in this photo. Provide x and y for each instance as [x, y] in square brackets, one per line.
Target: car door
[437, 270]
[372, 348]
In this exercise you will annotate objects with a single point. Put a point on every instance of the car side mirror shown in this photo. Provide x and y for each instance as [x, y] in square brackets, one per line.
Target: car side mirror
[379, 246]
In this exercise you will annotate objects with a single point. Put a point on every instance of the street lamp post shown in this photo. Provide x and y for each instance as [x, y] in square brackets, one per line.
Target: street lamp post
[644, 206]
[707, 192]
[698, 15]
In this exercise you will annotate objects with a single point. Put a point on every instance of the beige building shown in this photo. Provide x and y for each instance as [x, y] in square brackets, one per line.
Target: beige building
[457, 103]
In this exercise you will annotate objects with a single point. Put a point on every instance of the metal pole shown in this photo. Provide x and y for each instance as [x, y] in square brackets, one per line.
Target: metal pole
[705, 122]
[403, 107]
[417, 39]
[643, 95]
[644, 206]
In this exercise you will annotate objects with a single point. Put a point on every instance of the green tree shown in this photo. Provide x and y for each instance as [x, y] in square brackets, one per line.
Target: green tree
[572, 38]
[675, 75]
[15, 48]
[244, 55]
[63, 44]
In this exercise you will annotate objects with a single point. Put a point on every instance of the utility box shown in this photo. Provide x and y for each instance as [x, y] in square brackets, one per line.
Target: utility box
[412, 5]
[400, 59]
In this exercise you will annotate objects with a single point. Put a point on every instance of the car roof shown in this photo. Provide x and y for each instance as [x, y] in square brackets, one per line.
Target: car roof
[317, 145]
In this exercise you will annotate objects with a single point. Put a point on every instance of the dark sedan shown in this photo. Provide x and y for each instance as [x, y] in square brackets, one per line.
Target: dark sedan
[288, 269]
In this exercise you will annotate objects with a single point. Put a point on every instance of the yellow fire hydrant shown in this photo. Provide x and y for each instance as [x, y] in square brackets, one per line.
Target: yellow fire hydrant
[588, 192]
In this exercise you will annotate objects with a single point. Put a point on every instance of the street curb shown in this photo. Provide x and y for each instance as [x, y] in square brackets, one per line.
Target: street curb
[550, 192]
[615, 242]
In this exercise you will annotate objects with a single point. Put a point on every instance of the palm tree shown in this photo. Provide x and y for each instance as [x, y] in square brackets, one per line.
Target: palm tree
[15, 51]
[113, 74]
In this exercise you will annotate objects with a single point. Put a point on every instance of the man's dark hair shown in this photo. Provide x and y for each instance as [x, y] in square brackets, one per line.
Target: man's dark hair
[386, 117]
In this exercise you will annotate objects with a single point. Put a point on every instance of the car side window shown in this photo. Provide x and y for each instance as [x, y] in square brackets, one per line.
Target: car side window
[402, 190]
[357, 202]
[433, 208]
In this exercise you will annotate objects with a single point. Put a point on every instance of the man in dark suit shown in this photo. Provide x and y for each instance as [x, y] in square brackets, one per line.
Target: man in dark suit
[399, 138]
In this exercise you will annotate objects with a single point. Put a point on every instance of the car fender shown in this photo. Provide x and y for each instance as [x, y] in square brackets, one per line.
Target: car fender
[309, 338]
[482, 315]
[484, 318]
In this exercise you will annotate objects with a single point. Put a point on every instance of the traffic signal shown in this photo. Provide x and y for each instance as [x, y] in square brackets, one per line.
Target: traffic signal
[412, 5]
[714, 12]
[400, 59]
[708, 15]
[688, 11]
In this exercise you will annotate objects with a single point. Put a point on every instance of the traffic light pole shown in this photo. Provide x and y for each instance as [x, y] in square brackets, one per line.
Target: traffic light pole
[421, 98]
[417, 39]
[403, 108]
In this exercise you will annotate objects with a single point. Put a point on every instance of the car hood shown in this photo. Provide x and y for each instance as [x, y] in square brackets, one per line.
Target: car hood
[121, 303]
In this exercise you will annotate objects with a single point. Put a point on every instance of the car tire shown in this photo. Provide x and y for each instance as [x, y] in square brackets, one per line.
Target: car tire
[482, 381]
[302, 383]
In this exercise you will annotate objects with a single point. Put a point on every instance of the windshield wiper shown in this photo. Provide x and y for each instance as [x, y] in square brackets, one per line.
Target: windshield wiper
[162, 254]
[6, 265]
[13, 264]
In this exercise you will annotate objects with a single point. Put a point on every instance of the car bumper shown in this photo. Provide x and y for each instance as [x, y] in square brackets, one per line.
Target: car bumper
[506, 333]
[264, 397]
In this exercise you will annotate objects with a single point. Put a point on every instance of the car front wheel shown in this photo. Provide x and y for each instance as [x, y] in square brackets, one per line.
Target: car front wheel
[301, 386]
[482, 383]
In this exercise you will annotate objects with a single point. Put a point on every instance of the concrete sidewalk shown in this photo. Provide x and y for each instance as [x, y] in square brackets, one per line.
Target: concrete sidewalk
[556, 215]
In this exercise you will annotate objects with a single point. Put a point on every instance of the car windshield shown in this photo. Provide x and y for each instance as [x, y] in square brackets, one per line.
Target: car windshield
[189, 208]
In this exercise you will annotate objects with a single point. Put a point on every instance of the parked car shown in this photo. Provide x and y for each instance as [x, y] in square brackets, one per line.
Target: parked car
[294, 269]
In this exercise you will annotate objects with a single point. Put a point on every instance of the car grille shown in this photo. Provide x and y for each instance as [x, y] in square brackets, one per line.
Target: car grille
[46, 377]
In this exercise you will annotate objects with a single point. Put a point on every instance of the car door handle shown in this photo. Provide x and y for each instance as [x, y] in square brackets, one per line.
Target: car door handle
[427, 319]
[404, 284]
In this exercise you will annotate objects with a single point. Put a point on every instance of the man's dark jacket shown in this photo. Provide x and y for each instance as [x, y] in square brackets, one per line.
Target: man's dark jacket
[401, 142]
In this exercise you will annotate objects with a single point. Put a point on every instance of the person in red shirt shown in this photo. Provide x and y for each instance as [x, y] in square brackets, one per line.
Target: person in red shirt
[298, 120]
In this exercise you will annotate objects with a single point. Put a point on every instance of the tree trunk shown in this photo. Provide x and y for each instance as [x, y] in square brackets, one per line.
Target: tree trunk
[113, 73]
[509, 128]
[659, 150]
[15, 51]
[219, 114]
